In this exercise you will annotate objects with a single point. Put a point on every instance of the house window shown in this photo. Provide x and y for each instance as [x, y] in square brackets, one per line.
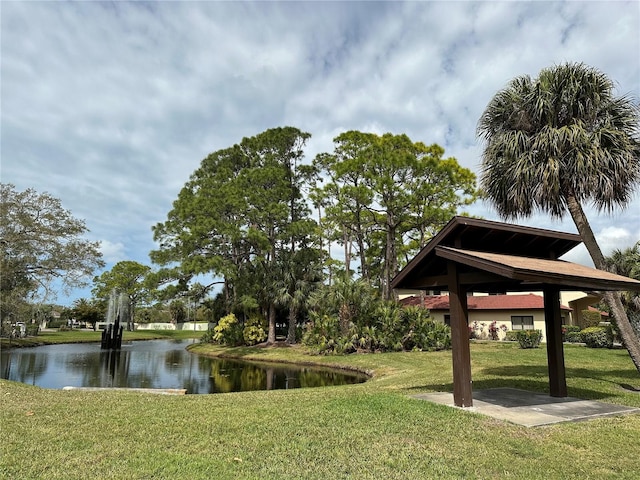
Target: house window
[447, 319]
[522, 322]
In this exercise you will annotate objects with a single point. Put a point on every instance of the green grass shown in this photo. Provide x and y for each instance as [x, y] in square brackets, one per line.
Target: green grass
[49, 337]
[372, 430]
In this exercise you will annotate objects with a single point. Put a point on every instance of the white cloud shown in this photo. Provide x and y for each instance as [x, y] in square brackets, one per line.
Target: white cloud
[111, 106]
[112, 252]
[609, 239]
[615, 238]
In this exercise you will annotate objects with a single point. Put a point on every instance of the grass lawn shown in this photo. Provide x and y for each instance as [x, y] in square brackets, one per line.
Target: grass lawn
[48, 337]
[372, 430]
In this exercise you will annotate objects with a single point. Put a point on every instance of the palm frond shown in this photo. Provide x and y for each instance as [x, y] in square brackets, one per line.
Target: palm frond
[563, 133]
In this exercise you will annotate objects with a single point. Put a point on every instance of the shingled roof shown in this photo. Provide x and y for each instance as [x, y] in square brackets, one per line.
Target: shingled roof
[498, 257]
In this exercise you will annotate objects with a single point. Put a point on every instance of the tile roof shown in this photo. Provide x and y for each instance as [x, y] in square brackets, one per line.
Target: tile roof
[488, 302]
[593, 309]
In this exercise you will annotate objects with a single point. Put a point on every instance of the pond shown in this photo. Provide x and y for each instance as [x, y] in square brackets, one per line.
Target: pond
[156, 364]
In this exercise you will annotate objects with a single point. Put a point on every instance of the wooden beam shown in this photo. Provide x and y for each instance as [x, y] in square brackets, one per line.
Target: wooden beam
[461, 355]
[468, 278]
[555, 351]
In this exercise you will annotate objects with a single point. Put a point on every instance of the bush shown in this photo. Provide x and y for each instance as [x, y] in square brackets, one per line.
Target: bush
[207, 337]
[590, 318]
[573, 337]
[390, 328]
[56, 323]
[495, 329]
[529, 338]
[421, 332]
[511, 336]
[570, 328]
[33, 329]
[598, 337]
[432, 335]
[321, 331]
[476, 331]
[228, 331]
[254, 330]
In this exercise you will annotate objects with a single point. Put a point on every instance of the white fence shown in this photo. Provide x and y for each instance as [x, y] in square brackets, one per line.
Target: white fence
[198, 327]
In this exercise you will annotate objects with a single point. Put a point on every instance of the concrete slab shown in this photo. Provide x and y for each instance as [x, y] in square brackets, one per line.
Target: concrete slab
[159, 391]
[531, 409]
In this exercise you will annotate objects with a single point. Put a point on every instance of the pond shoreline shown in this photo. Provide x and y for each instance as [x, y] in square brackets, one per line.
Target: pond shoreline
[279, 345]
[229, 354]
[174, 364]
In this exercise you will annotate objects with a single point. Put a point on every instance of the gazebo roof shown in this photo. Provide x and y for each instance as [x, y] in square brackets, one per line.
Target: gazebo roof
[499, 257]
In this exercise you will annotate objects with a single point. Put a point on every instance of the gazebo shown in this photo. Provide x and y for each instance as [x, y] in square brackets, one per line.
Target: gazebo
[473, 255]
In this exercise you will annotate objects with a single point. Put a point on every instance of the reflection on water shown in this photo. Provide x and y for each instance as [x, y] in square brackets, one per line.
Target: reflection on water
[155, 364]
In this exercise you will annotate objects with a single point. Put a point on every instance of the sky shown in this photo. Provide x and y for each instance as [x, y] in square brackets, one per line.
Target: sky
[111, 106]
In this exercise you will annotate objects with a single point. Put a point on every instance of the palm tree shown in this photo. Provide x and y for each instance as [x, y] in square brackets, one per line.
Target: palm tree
[627, 262]
[299, 274]
[556, 142]
[352, 301]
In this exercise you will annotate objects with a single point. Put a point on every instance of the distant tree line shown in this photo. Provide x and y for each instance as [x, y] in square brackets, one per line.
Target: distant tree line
[245, 216]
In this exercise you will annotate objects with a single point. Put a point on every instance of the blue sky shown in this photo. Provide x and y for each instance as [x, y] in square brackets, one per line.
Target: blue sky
[111, 106]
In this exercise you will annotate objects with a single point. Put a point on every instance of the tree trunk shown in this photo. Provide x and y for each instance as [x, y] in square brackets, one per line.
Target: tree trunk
[613, 299]
[131, 323]
[391, 257]
[346, 238]
[271, 335]
[293, 317]
[364, 267]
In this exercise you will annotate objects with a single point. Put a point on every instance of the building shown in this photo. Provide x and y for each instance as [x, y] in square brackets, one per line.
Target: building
[510, 312]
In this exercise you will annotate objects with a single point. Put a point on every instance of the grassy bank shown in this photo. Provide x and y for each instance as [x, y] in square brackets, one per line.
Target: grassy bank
[49, 337]
[371, 430]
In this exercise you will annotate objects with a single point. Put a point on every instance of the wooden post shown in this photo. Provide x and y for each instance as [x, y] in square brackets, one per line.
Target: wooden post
[462, 393]
[555, 351]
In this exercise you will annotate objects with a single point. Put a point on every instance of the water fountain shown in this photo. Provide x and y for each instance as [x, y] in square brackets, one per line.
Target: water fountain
[117, 313]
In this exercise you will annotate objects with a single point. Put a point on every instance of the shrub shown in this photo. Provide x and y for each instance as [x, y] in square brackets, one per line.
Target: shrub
[598, 337]
[33, 330]
[321, 331]
[207, 337]
[511, 336]
[590, 318]
[495, 329]
[368, 339]
[573, 337]
[529, 338]
[254, 330]
[432, 335]
[569, 329]
[475, 330]
[56, 323]
[393, 323]
[421, 332]
[390, 328]
[228, 331]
